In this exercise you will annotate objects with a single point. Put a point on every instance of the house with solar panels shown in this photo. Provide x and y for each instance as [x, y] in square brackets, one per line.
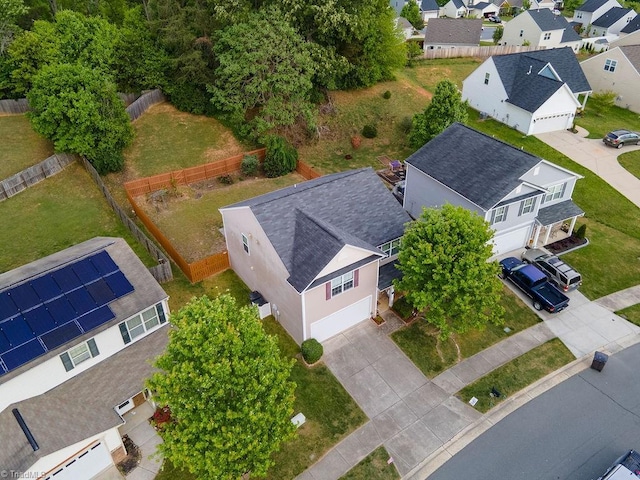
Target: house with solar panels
[77, 332]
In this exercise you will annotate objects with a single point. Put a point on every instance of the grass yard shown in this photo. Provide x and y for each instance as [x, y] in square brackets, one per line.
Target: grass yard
[428, 73]
[517, 374]
[57, 213]
[419, 341]
[20, 145]
[373, 467]
[600, 118]
[631, 313]
[630, 161]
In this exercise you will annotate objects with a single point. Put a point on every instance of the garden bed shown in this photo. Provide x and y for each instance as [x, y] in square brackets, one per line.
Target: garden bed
[567, 245]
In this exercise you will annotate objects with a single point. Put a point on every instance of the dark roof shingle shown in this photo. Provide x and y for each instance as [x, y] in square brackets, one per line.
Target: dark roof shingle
[429, 6]
[591, 5]
[610, 17]
[632, 26]
[459, 31]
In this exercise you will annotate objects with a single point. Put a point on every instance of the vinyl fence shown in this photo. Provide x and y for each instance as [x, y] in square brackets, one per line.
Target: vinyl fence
[145, 101]
[35, 174]
[14, 106]
[477, 52]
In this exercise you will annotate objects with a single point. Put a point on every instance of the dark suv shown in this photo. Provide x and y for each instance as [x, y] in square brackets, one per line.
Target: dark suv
[559, 273]
[619, 138]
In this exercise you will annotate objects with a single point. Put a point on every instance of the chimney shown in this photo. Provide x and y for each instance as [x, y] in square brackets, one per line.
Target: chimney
[25, 429]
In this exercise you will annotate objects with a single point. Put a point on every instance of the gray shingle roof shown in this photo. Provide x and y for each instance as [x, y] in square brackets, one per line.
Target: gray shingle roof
[348, 208]
[79, 408]
[591, 5]
[481, 5]
[387, 274]
[610, 17]
[480, 168]
[569, 35]
[632, 26]
[546, 20]
[558, 212]
[461, 31]
[458, 3]
[527, 89]
[632, 52]
[429, 6]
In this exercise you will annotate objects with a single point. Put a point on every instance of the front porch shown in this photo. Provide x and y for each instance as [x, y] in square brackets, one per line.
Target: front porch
[555, 223]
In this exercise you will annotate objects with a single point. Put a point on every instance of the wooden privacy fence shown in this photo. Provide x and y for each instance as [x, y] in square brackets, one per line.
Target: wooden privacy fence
[35, 174]
[145, 101]
[14, 106]
[477, 52]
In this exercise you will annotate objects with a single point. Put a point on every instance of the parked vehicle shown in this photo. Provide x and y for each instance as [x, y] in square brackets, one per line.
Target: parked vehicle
[619, 138]
[534, 283]
[494, 19]
[627, 466]
[559, 273]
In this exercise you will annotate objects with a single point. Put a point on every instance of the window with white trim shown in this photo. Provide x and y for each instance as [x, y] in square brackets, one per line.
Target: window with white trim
[499, 214]
[142, 323]
[245, 243]
[547, 36]
[610, 65]
[554, 192]
[486, 78]
[78, 354]
[527, 205]
[578, 14]
[391, 248]
[341, 284]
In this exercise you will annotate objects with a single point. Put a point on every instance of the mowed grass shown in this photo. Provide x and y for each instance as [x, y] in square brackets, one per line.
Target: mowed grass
[374, 466]
[600, 118]
[630, 161]
[631, 313]
[517, 374]
[20, 146]
[57, 213]
[419, 341]
[428, 73]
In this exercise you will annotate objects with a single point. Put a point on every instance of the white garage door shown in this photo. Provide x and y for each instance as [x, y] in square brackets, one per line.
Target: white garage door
[341, 320]
[506, 242]
[85, 465]
[552, 123]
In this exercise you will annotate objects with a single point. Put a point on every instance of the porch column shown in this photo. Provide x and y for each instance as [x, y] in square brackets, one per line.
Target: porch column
[547, 234]
[391, 293]
[573, 224]
[536, 235]
[584, 101]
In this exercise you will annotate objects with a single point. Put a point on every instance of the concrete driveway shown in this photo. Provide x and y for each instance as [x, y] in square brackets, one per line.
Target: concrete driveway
[597, 157]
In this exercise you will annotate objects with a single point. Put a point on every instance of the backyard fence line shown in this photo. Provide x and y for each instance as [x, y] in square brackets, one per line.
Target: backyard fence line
[14, 106]
[306, 171]
[477, 52]
[35, 174]
[143, 103]
[128, 98]
[161, 272]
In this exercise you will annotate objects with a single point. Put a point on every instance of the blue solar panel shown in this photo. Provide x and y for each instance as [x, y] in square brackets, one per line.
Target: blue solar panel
[4, 343]
[23, 354]
[7, 308]
[24, 296]
[119, 284]
[46, 287]
[66, 278]
[104, 263]
[96, 318]
[61, 310]
[17, 331]
[100, 292]
[61, 335]
[81, 301]
[40, 320]
[86, 271]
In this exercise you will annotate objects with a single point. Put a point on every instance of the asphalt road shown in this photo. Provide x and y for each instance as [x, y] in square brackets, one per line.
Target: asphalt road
[572, 432]
[487, 33]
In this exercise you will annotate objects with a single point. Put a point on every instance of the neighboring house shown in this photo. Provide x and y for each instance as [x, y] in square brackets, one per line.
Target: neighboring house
[591, 10]
[508, 7]
[454, 9]
[540, 28]
[525, 199]
[612, 22]
[546, 4]
[77, 332]
[482, 9]
[429, 9]
[405, 27]
[320, 251]
[631, 27]
[616, 70]
[452, 33]
[533, 92]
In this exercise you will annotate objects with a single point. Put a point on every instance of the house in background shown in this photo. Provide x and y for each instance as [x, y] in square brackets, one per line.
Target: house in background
[616, 70]
[320, 251]
[452, 33]
[591, 10]
[454, 9]
[543, 4]
[612, 22]
[77, 332]
[429, 9]
[540, 28]
[482, 9]
[527, 200]
[509, 7]
[405, 27]
[533, 92]
[632, 27]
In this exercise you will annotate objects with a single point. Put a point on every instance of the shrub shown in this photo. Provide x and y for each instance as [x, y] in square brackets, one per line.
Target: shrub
[386, 95]
[249, 165]
[406, 124]
[311, 350]
[581, 231]
[225, 179]
[369, 131]
[281, 157]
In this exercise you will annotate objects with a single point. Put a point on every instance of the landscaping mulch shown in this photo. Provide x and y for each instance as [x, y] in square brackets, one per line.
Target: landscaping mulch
[566, 244]
[133, 457]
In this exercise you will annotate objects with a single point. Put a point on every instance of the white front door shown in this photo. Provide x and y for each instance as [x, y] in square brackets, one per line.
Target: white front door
[339, 321]
[84, 465]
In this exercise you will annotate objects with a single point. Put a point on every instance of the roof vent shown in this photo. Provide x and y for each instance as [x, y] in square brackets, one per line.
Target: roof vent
[25, 429]
[530, 68]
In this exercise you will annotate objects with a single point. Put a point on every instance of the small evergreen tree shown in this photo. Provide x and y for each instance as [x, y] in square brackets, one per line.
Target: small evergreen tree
[281, 157]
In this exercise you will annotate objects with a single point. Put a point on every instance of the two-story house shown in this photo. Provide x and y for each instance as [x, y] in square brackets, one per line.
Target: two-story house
[540, 28]
[454, 9]
[612, 22]
[77, 332]
[320, 251]
[591, 10]
[525, 199]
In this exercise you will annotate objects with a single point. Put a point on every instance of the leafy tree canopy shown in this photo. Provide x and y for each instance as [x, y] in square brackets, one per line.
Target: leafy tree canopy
[228, 390]
[411, 11]
[10, 11]
[444, 260]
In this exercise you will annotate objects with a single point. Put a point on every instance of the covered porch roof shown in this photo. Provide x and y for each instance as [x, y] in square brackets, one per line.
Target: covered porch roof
[558, 213]
[386, 274]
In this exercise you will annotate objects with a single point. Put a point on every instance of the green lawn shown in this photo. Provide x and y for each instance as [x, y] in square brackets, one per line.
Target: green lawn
[57, 213]
[373, 467]
[419, 341]
[517, 374]
[631, 313]
[20, 146]
[600, 118]
[631, 162]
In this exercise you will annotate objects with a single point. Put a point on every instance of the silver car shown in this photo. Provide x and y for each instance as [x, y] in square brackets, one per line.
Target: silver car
[559, 273]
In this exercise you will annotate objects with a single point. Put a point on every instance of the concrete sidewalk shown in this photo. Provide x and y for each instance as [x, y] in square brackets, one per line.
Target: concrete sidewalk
[622, 299]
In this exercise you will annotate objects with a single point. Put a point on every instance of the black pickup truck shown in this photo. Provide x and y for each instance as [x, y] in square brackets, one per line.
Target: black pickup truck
[533, 282]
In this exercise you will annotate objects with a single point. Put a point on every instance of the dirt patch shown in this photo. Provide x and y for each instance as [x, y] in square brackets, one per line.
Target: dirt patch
[132, 460]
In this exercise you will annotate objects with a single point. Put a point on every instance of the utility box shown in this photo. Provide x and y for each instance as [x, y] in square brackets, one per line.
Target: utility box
[599, 360]
[264, 307]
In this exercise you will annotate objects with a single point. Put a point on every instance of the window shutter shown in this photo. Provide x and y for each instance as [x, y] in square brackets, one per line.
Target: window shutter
[160, 311]
[66, 361]
[493, 216]
[328, 290]
[356, 277]
[521, 207]
[533, 205]
[564, 187]
[93, 348]
[125, 333]
[506, 211]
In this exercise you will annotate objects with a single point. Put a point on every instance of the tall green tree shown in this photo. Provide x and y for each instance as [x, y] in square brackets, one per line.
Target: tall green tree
[228, 390]
[446, 107]
[497, 34]
[79, 110]
[446, 273]
[10, 11]
[411, 11]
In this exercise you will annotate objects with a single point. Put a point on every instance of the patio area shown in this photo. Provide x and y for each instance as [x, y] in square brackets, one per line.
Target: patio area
[140, 431]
